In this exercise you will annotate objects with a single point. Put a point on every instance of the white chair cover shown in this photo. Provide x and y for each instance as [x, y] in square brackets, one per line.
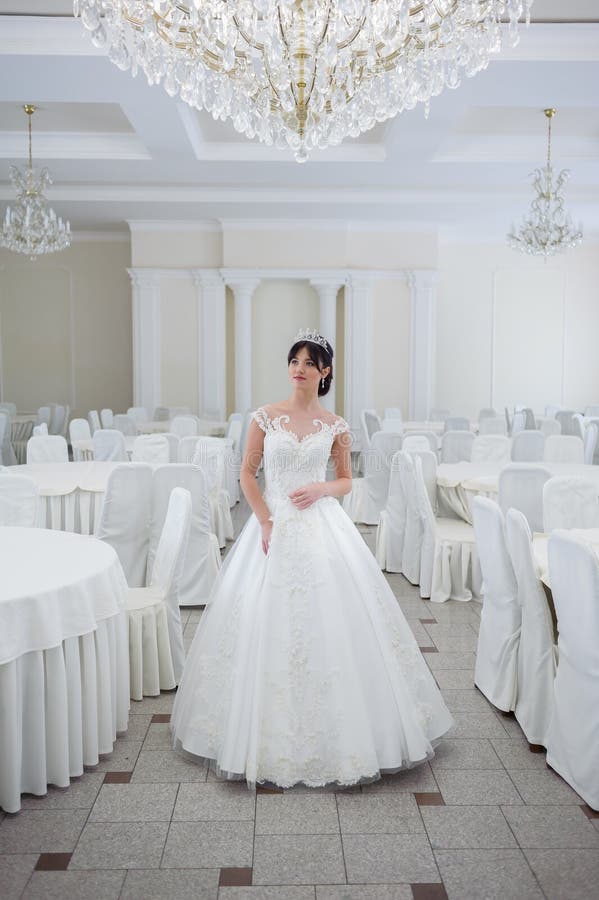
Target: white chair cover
[565, 417]
[590, 443]
[564, 449]
[79, 430]
[578, 425]
[496, 669]
[428, 460]
[4, 430]
[457, 423]
[203, 560]
[368, 495]
[491, 448]
[247, 419]
[416, 441]
[492, 425]
[151, 448]
[211, 455]
[394, 425]
[456, 446]
[173, 446]
[124, 424]
[109, 444]
[393, 412]
[521, 487]
[11, 408]
[439, 415]
[550, 426]
[156, 649]
[392, 523]
[551, 409]
[448, 561]
[414, 528]
[94, 420]
[187, 448]
[43, 415]
[161, 414]
[139, 414]
[591, 411]
[40, 430]
[47, 449]
[57, 417]
[107, 418]
[125, 519]
[537, 652]
[488, 413]
[573, 733]
[528, 446]
[233, 432]
[185, 426]
[370, 425]
[569, 502]
[19, 498]
[518, 422]
[180, 411]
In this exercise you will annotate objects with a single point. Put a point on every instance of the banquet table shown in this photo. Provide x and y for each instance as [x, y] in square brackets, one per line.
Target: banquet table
[64, 661]
[206, 427]
[540, 547]
[458, 483]
[71, 494]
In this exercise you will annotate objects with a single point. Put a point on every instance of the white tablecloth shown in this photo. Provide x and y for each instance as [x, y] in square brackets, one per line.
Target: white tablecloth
[64, 667]
[206, 426]
[458, 483]
[540, 548]
[85, 449]
[71, 494]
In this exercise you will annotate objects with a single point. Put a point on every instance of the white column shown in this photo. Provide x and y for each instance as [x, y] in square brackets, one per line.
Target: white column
[327, 292]
[423, 296]
[212, 351]
[243, 290]
[145, 285]
[358, 350]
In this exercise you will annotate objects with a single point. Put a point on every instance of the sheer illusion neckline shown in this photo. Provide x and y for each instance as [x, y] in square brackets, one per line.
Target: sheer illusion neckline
[277, 424]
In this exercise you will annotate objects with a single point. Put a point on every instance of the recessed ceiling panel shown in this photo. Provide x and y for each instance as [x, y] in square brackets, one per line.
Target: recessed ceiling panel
[76, 117]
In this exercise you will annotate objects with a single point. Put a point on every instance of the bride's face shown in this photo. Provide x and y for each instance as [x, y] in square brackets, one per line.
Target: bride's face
[303, 371]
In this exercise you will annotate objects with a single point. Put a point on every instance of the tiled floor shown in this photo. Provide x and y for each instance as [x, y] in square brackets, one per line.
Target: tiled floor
[485, 819]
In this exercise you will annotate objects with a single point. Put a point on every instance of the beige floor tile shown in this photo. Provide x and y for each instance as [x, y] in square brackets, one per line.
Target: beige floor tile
[467, 827]
[167, 765]
[81, 794]
[211, 845]
[388, 858]
[267, 892]
[418, 779]
[515, 754]
[488, 874]
[174, 884]
[134, 803]
[305, 813]
[566, 874]
[551, 827]
[42, 831]
[379, 814]
[106, 845]
[364, 892]
[15, 871]
[476, 787]
[544, 787]
[298, 859]
[122, 759]
[220, 802]
[100, 885]
[476, 753]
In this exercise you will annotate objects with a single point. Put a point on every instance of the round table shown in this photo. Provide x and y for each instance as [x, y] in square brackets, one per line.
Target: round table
[64, 664]
[540, 548]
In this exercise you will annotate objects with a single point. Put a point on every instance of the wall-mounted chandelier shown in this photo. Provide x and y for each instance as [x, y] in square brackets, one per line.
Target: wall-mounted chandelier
[30, 226]
[547, 229]
[303, 74]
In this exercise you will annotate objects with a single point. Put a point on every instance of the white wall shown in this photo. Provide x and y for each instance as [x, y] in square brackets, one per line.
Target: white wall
[65, 327]
[513, 329]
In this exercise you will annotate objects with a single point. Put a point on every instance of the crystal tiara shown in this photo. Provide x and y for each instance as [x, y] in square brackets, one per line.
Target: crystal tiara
[307, 334]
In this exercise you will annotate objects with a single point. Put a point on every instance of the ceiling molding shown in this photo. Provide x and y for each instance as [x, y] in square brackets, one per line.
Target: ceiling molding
[73, 145]
[172, 226]
[100, 237]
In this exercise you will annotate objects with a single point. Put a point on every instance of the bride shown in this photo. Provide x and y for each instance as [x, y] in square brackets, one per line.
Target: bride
[303, 668]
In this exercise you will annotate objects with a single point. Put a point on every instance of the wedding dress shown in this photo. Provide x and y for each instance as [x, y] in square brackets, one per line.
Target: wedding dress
[303, 668]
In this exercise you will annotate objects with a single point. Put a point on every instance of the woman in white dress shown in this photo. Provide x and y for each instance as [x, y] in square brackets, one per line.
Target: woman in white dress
[303, 668]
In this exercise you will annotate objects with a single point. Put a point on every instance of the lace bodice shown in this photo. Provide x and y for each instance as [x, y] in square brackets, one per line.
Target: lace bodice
[291, 461]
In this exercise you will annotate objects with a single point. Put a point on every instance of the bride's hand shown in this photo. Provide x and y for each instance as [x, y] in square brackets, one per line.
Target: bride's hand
[266, 535]
[305, 496]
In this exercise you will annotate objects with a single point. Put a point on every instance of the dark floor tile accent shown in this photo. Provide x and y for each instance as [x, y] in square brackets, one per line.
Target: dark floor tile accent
[260, 789]
[53, 862]
[117, 777]
[536, 748]
[428, 649]
[507, 714]
[429, 798]
[589, 813]
[235, 877]
[428, 892]
[160, 718]
[428, 621]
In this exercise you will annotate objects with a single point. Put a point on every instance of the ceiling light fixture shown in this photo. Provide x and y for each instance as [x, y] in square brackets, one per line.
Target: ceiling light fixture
[547, 229]
[30, 226]
[303, 74]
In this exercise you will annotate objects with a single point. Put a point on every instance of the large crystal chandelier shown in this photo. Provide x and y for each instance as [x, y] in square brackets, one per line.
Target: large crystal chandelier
[30, 226]
[302, 74]
[547, 229]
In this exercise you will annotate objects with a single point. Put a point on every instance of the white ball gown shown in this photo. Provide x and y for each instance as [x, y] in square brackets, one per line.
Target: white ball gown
[303, 668]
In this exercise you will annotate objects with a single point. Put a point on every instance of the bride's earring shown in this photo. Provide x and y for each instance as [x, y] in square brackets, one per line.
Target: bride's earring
[322, 383]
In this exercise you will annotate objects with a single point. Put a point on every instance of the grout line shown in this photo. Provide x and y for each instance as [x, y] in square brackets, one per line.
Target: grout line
[340, 841]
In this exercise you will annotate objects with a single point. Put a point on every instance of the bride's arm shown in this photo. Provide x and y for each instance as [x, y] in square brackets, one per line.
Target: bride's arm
[249, 485]
[305, 496]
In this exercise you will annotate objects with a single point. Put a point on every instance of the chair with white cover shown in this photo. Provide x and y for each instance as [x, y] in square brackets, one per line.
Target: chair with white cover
[233, 430]
[392, 523]
[202, 560]
[94, 421]
[4, 429]
[392, 419]
[161, 414]
[415, 441]
[139, 414]
[18, 500]
[429, 462]
[569, 502]
[107, 418]
[173, 446]
[40, 430]
[573, 733]
[180, 411]
[456, 446]
[57, 417]
[562, 448]
[47, 449]
[109, 444]
[590, 443]
[488, 413]
[187, 448]
[578, 425]
[528, 446]
[456, 423]
[448, 561]
[7, 453]
[185, 426]
[551, 409]
[491, 448]
[492, 425]
[537, 653]
[125, 518]
[247, 419]
[9, 407]
[518, 422]
[414, 528]
[550, 426]
[368, 495]
[79, 430]
[124, 424]
[591, 411]
[439, 415]
[565, 417]
[211, 455]
[233, 433]
[43, 415]
[496, 668]
[151, 448]
[521, 487]
[156, 649]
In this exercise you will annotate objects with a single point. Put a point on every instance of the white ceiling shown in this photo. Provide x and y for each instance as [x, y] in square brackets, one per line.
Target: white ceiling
[120, 150]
